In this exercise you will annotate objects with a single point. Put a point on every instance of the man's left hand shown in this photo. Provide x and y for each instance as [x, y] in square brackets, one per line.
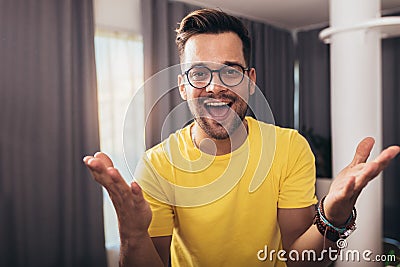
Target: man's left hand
[347, 186]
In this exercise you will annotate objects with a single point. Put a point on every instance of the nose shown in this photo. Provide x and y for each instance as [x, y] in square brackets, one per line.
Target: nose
[216, 85]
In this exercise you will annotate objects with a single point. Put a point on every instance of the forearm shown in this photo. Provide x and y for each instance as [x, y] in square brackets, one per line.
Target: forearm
[139, 251]
[313, 249]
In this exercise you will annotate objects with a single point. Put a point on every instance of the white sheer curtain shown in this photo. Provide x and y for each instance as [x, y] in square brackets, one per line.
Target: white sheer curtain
[119, 64]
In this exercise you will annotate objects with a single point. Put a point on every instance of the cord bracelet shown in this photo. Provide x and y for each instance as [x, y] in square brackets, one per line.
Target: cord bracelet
[328, 230]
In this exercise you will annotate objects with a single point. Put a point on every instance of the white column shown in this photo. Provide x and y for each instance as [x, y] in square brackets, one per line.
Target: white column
[356, 110]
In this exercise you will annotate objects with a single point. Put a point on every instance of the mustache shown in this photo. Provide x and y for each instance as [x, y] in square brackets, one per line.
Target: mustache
[221, 97]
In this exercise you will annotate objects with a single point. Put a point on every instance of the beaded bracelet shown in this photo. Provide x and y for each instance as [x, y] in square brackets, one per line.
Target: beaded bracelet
[330, 231]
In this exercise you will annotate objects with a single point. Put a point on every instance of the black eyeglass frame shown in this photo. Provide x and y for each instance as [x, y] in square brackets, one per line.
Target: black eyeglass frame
[219, 74]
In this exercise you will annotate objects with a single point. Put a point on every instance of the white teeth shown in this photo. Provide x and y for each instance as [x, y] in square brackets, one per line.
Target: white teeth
[216, 104]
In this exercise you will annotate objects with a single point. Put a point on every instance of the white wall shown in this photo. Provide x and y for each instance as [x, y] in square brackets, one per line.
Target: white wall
[119, 15]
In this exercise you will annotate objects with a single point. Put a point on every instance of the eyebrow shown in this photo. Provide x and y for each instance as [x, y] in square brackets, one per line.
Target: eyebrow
[203, 64]
[198, 64]
[230, 63]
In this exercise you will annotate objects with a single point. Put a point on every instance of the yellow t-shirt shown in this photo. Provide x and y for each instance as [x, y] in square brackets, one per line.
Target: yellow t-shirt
[222, 210]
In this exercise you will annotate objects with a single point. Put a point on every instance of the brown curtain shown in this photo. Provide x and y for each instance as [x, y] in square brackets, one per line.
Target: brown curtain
[50, 209]
[272, 57]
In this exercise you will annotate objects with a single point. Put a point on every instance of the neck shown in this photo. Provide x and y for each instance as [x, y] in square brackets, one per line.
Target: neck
[219, 147]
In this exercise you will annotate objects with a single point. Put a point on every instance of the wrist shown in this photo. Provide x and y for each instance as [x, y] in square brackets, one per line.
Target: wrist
[337, 216]
[331, 231]
[132, 238]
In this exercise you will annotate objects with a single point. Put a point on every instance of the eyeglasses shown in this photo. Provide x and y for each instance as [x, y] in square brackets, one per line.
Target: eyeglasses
[201, 76]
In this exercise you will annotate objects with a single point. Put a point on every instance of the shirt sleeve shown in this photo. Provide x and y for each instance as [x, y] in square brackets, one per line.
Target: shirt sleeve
[297, 187]
[162, 222]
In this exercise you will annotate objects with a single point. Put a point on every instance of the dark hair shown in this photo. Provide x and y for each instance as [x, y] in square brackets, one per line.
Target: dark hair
[211, 21]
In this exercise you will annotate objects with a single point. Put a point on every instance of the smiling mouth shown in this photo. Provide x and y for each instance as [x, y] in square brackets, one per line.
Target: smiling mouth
[218, 109]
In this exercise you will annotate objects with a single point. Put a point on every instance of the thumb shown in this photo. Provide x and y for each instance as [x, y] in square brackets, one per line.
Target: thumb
[363, 151]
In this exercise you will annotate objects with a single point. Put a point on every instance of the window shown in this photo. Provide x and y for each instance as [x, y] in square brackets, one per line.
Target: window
[119, 66]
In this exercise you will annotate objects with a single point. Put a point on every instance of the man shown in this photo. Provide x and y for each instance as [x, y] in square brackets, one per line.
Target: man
[228, 229]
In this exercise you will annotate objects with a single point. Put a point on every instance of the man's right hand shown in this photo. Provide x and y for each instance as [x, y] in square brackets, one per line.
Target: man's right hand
[133, 211]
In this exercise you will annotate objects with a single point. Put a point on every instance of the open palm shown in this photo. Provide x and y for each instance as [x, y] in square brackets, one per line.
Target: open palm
[349, 183]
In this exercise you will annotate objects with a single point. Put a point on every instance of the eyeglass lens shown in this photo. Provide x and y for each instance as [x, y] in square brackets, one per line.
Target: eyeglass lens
[201, 76]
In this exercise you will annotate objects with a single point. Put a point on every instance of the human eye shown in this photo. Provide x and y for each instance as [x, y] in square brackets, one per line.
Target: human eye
[199, 73]
[231, 71]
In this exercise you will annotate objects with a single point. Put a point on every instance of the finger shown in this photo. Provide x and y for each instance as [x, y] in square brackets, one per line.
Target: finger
[89, 166]
[138, 195]
[115, 175]
[95, 165]
[119, 182]
[363, 151]
[386, 156]
[101, 174]
[370, 171]
[86, 159]
[104, 158]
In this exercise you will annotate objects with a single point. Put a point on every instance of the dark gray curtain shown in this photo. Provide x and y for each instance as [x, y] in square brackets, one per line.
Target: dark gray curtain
[272, 57]
[160, 18]
[391, 134]
[314, 97]
[50, 208]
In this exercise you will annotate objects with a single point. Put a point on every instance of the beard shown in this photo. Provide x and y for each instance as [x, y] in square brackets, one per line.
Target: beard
[213, 127]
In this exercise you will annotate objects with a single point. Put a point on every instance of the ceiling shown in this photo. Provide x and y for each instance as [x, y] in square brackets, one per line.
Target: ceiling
[288, 14]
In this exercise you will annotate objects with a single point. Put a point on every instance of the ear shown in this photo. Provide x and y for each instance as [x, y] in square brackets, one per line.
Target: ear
[252, 80]
[182, 87]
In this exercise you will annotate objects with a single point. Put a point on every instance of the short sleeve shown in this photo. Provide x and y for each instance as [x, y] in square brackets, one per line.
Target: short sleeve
[297, 187]
[162, 222]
